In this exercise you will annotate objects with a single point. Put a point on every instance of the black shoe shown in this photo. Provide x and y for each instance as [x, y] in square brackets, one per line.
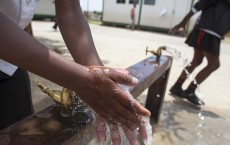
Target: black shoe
[191, 96]
[176, 91]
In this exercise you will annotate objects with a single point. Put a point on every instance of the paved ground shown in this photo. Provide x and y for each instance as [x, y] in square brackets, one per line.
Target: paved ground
[181, 123]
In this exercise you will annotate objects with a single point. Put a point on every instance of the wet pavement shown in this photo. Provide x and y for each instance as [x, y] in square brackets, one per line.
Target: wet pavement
[181, 123]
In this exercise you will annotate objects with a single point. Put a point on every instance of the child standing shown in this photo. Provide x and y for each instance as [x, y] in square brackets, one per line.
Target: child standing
[205, 38]
[133, 15]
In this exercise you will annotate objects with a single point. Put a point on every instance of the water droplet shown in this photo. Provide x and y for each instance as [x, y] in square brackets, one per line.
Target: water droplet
[106, 71]
[200, 125]
[202, 118]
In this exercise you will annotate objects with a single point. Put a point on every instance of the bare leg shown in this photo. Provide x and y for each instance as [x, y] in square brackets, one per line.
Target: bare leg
[198, 57]
[133, 24]
[213, 64]
[55, 25]
[196, 61]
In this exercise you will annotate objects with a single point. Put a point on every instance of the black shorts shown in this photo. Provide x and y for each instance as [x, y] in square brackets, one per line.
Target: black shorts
[204, 41]
[15, 97]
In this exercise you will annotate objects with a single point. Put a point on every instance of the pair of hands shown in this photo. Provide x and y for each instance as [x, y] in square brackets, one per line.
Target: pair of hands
[113, 106]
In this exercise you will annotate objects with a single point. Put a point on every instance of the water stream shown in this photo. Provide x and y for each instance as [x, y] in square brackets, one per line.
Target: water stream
[145, 122]
[178, 56]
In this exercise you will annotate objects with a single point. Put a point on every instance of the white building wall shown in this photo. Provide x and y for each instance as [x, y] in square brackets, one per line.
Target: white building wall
[158, 15]
[164, 14]
[118, 13]
[45, 7]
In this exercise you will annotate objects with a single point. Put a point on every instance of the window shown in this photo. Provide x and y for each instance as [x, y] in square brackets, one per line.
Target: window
[150, 2]
[132, 1]
[121, 1]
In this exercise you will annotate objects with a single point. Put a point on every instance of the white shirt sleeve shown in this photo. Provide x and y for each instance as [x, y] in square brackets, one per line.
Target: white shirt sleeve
[21, 12]
[7, 68]
[194, 10]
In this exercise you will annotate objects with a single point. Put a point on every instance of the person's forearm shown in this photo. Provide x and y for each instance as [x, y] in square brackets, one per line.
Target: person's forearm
[19, 48]
[186, 18]
[76, 32]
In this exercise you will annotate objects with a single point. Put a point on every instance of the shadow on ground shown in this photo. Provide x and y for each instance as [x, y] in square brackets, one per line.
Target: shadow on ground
[59, 47]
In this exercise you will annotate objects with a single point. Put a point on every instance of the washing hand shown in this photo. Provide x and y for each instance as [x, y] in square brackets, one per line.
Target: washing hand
[108, 100]
[115, 133]
[109, 128]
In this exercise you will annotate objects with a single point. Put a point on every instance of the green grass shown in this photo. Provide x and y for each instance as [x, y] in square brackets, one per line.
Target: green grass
[228, 34]
[93, 21]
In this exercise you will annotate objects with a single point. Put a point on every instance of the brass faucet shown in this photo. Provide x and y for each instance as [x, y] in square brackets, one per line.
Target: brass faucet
[158, 52]
[63, 97]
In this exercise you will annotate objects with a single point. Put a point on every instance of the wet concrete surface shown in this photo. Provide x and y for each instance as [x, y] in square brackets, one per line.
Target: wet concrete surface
[181, 123]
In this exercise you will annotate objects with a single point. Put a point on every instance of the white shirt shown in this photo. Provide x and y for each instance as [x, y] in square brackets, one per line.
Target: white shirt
[21, 12]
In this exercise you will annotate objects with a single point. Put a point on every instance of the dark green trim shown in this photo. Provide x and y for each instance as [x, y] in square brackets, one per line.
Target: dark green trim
[103, 5]
[141, 27]
[192, 3]
[140, 11]
[187, 26]
[114, 24]
[38, 16]
[156, 29]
